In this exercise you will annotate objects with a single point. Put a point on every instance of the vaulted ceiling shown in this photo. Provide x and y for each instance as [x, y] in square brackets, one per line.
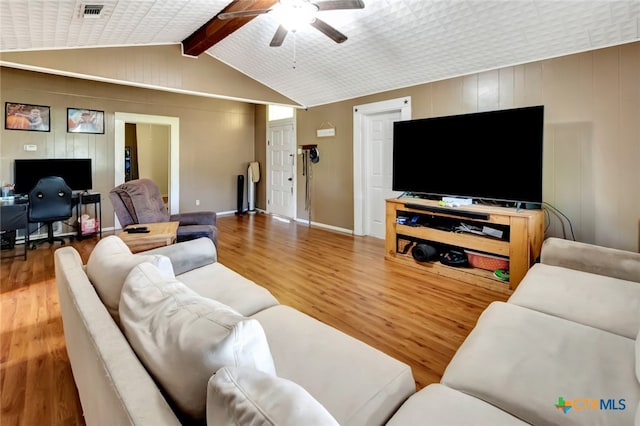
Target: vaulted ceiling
[391, 43]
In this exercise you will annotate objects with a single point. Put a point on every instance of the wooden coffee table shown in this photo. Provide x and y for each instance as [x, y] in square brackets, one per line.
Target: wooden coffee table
[159, 235]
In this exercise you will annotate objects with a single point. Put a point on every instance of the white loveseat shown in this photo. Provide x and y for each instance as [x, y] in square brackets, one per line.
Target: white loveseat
[564, 349]
[318, 374]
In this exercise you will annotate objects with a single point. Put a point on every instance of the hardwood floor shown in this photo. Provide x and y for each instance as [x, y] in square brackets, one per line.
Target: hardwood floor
[344, 281]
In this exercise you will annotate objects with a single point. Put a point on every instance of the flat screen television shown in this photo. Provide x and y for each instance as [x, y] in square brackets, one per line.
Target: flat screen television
[494, 156]
[75, 171]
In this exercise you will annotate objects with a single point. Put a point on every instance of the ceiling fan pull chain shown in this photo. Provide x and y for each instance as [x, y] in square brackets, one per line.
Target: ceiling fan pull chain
[294, 49]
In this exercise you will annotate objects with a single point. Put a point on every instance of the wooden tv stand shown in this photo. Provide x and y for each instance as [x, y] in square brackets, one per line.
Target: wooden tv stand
[525, 230]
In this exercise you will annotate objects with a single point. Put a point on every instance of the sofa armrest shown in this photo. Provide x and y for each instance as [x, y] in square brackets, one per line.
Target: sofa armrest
[188, 255]
[621, 264]
[194, 218]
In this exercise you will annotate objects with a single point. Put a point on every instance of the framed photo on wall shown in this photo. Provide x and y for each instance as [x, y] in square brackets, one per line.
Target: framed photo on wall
[34, 118]
[85, 121]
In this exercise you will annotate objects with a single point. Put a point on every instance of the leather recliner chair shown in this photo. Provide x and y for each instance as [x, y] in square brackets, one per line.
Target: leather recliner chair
[139, 201]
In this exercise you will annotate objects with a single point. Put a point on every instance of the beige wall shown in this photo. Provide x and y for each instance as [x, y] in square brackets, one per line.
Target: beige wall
[332, 176]
[592, 136]
[591, 147]
[149, 66]
[216, 136]
[153, 154]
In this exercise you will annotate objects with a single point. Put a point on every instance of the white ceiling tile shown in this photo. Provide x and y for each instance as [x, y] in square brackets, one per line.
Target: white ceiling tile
[391, 43]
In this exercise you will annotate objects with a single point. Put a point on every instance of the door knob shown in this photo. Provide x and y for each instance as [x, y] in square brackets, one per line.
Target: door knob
[290, 179]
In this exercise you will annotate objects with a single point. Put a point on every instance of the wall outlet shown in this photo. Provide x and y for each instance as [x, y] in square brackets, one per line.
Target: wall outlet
[197, 202]
[31, 147]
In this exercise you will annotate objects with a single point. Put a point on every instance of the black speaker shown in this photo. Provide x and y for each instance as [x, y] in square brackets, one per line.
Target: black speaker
[424, 252]
[240, 194]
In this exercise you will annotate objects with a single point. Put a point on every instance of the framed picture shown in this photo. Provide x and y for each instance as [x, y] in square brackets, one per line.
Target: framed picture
[34, 118]
[85, 121]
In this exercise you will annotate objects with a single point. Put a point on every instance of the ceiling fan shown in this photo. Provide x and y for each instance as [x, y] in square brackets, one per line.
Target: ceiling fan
[292, 14]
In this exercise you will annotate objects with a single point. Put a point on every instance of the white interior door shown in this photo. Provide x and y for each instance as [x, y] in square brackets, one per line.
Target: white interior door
[372, 166]
[281, 159]
[378, 169]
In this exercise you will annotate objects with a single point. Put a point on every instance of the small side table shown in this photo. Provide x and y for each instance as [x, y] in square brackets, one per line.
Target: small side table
[83, 200]
[159, 235]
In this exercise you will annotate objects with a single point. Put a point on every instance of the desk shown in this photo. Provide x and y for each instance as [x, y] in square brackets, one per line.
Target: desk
[12, 218]
[78, 201]
[159, 235]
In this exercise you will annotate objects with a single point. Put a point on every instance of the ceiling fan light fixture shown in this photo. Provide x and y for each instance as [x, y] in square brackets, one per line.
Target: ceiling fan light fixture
[294, 14]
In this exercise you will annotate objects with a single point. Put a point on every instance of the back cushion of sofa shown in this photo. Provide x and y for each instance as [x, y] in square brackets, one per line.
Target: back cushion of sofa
[242, 396]
[183, 338]
[109, 264]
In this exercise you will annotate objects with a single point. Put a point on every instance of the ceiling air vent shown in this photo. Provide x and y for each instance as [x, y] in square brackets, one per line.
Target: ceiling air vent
[91, 10]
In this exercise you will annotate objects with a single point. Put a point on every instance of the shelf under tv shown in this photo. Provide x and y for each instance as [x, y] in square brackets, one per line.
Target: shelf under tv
[522, 248]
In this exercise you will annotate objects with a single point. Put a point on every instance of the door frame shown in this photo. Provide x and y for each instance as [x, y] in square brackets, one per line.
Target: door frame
[283, 122]
[361, 114]
[174, 152]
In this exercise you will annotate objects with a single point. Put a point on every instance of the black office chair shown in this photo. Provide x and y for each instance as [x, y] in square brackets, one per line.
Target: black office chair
[49, 202]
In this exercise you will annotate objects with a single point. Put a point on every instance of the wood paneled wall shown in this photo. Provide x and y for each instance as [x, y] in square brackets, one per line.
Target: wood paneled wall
[216, 136]
[592, 136]
[150, 66]
[591, 146]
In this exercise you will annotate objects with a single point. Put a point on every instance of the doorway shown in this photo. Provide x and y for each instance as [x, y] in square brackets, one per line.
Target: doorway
[172, 127]
[373, 162]
[146, 154]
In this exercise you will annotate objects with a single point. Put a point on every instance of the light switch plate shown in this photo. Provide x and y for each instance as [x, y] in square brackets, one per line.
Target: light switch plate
[31, 147]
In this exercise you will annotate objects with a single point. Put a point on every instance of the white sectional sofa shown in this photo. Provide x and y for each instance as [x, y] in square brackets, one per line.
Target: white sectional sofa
[119, 301]
[564, 349]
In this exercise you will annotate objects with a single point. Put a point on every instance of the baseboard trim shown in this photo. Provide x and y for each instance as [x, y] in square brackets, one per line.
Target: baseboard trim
[325, 226]
[298, 220]
[227, 213]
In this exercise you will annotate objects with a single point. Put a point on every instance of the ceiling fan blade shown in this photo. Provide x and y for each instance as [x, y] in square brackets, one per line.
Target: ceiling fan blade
[329, 31]
[242, 13]
[278, 37]
[339, 4]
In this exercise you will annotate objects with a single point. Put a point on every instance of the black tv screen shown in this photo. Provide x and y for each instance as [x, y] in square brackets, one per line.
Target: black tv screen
[75, 171]
[495, 155]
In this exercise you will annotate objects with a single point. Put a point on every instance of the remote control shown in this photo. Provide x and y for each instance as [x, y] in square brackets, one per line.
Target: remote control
[137, 230]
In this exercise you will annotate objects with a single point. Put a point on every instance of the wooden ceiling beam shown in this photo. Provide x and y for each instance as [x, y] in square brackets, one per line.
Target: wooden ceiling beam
[217, 29]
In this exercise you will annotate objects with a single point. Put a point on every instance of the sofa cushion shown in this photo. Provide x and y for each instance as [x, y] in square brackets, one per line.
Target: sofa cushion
[439, 405]
[189, 255]
[243, 396]
[523, 361]
[621, 264]
[109, 264]
[582, 297]
[356, 383]
[183, 338]
[220, 283]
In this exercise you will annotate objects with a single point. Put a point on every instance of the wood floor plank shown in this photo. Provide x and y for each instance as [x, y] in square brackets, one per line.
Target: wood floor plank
[342, 280]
